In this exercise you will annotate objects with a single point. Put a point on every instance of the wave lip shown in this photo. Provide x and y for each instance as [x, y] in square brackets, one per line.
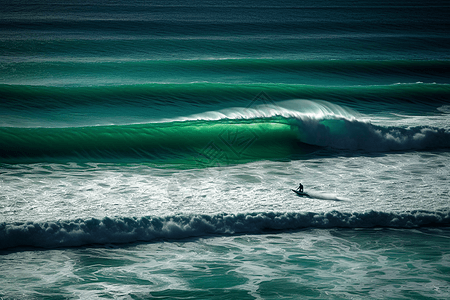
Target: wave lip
[73, 233]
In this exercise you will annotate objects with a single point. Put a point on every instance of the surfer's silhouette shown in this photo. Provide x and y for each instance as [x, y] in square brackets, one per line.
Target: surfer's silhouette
[300, 187]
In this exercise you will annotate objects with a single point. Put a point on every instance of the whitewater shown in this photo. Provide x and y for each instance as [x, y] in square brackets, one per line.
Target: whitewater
[148, 150]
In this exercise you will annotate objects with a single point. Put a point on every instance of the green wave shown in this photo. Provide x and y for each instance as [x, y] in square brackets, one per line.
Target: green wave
[188, 144]
[206, 143]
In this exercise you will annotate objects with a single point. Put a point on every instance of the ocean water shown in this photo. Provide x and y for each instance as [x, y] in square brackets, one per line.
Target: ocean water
[148, 149]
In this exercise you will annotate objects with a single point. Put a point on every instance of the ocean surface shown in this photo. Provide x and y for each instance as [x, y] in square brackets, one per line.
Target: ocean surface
[148, 149]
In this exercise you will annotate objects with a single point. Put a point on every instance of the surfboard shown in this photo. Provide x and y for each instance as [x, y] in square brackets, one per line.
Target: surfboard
[300, 193]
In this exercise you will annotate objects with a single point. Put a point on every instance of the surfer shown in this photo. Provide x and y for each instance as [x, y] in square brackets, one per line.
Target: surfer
[300, 187]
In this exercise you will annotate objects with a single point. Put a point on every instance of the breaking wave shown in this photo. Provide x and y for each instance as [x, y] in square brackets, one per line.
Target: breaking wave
[234, 137]
[127, 230]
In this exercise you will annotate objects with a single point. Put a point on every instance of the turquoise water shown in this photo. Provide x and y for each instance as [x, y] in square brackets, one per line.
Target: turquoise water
[148, 150]
[313, 263]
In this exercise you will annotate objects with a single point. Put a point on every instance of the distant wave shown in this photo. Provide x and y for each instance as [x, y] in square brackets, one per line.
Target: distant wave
[27, 98]
[125, 230]
[96, 72]
[243, 64]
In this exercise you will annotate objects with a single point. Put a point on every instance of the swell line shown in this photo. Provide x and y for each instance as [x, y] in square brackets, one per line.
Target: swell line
[342, 66]
[28, 97]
